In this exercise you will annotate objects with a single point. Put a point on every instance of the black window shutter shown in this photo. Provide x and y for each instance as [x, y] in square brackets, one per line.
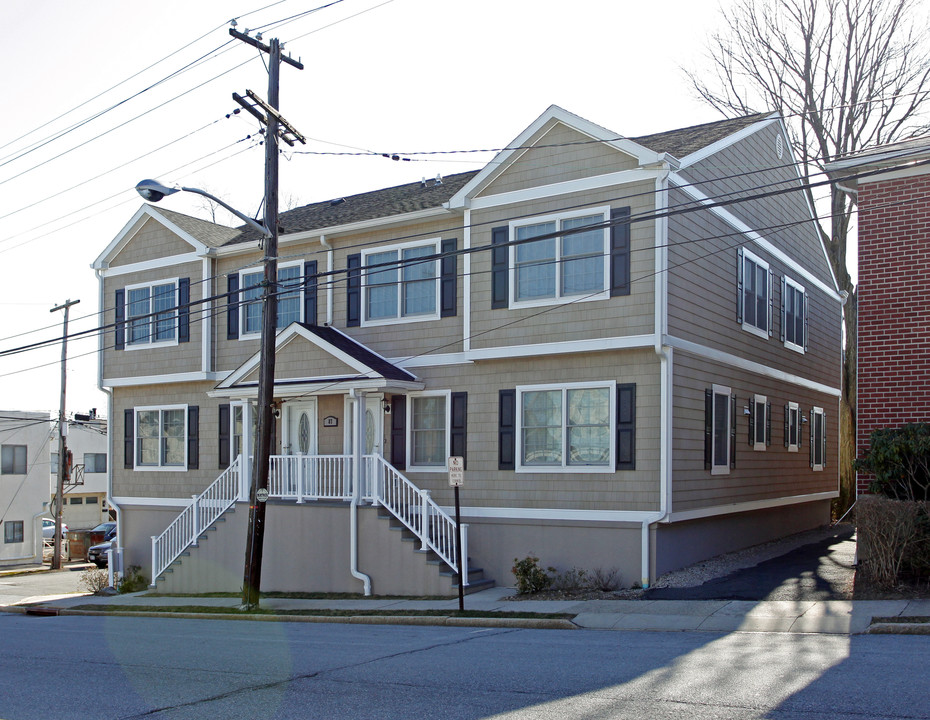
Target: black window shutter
[784, 308]
[620, 251]
[823, 437]
[708, 428]
[224, 444]
[507, 430]
[458, 437]
[129, 437]
[626, 426]
[768, 424]
[500, 267]
[184, 310]
[806, 311]
[448, 284]
[732, 431]
[119, 330]
[311, 284]
[399, 431]
[739, 285]
[232, 307]
[354, 290]
[787, 425]
[752, 421]
[771, 290]
[193, 437]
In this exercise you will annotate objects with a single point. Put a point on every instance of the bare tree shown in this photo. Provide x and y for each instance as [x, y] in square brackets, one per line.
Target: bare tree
[845, 75]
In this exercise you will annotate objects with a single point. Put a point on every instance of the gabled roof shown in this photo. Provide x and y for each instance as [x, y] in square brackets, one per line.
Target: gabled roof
[210, 234]
[685, 141]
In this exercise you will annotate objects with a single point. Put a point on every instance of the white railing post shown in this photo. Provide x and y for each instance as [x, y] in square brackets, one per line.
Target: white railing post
[243, 478]
[196, 529]
[301, 477]
[154, 560]
[374, 482]
[463, 540]
[424, 518]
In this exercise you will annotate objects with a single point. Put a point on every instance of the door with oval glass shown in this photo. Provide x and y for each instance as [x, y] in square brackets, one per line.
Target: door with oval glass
[374, 436]
[301, 440]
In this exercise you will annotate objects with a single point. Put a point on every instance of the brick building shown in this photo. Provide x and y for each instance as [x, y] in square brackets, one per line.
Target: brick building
[893, 196]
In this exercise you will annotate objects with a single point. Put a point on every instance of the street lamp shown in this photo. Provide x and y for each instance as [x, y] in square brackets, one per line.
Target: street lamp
[153, 191]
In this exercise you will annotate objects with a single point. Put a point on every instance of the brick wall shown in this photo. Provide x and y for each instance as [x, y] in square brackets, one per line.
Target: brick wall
[894, 306]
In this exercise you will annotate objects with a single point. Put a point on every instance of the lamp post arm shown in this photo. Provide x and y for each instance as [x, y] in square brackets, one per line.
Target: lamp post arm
[245, 218]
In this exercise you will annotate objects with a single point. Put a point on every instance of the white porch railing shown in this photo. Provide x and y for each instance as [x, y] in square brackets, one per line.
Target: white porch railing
[310, 477]
[187, 527]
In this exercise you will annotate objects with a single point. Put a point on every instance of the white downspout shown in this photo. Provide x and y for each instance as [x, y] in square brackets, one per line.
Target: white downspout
[665, 374]
[329, 280]
[357, 457]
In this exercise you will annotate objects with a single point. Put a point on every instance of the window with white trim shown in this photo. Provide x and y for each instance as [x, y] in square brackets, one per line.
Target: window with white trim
[289, 292]
[161, 437]
[818, 438]
[794, 315]
[754, 294]
[428, 421]
[567, 428]
[792, 427]
[566, 263]
[760, 425]
[721, 422]
[152, 313]
[399, 286]
[13, 531]
[95, 462]
[13, 459]
[236, 423]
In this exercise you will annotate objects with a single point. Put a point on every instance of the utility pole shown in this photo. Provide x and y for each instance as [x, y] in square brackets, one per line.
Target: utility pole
[255, 540]
[62, 444]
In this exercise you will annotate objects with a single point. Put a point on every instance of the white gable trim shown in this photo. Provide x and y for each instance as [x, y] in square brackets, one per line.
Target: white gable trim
[553, 114]
[160, 379]
[716, 147]
[169, 261]
[134, 225]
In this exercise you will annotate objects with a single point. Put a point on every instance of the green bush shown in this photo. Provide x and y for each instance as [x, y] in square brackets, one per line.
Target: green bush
[899, 458]
[133, 581]
[530, 577]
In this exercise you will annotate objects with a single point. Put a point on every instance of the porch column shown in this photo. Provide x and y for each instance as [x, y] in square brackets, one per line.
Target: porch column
[358, 443]
[245, 467]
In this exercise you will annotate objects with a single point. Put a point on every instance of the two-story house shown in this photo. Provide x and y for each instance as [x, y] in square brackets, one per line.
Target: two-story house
[24, 497]
[633, 342]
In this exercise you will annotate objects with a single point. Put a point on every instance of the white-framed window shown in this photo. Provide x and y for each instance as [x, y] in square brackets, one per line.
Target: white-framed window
[13, 531]
[428, 422]
[289, 293]
[95, 462]
[721, 422]
[152, 314]
[792, 427]
[397, 286]
[794, 315]
[755, 294]
[566, 428]
[13, 460]
[161, 438]
[560, 267]
[818, 438]
[760, 422]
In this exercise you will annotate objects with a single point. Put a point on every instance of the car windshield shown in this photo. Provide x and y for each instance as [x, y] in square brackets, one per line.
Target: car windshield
[103, 527]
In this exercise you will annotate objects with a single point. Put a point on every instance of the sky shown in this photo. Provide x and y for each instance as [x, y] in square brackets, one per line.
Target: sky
[144, 90]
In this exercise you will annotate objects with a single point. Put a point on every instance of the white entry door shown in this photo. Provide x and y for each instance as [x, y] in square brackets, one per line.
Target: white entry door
[301, 428]
[374, 426]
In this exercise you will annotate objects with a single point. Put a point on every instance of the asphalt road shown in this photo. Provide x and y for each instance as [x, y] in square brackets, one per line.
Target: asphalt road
[820, 571]
[95, 667]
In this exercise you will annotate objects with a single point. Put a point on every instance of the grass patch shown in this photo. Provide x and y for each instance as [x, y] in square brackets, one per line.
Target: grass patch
[202, 610]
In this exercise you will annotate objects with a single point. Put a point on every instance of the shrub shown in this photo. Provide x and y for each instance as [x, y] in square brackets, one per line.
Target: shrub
[530, 577]
[894, 538]
[605, 580]
[133, 581]
[94, 580]
[899, 458]
[571, 580]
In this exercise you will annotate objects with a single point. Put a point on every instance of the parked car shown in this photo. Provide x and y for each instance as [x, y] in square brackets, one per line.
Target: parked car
[48, 528]
[97, 554]
[98, 535]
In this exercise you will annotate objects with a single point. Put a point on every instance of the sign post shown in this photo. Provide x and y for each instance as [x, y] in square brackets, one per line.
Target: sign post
[456, 480]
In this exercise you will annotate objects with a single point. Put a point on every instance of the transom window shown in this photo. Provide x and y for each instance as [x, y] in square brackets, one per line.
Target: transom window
[755, 294]
[560, 266]
[569, 427]
[152, 313]
[794, 315]
[13, 459]
[161, 437]
[289, 296]
[399, 285]
[429, 430]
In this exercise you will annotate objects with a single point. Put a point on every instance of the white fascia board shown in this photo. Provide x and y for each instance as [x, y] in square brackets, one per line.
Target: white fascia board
[504, 158]
[629, 342]
[152, 502]
[723, 143]
[740, 363]
[161, 379]
[541, 192]
[157, 263]
[750, 506]
[509, 513]
[329, 386]
[755, 237]
[909, 150]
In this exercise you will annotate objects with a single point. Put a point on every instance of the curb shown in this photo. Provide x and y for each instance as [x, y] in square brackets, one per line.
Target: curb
[899, 628]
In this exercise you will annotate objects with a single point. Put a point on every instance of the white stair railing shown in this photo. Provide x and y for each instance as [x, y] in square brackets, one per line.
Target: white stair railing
[417, 511]
[202, 512]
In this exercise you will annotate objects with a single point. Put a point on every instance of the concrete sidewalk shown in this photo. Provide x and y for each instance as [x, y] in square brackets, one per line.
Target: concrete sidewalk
[827, 616]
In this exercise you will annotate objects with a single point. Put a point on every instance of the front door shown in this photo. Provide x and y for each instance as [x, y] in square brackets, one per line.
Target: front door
[301, 441]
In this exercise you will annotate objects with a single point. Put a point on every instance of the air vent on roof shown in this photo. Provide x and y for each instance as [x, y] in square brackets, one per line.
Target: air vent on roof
[337, 201]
